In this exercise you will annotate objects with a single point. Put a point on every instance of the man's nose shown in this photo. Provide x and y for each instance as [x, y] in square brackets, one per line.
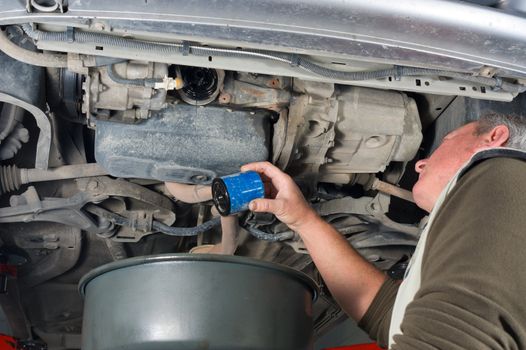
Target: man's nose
[420, 165]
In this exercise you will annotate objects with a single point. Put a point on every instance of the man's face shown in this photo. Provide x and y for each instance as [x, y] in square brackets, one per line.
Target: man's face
[436, 171]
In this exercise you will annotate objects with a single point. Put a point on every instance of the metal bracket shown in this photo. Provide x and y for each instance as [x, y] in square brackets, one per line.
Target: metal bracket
[29, 207]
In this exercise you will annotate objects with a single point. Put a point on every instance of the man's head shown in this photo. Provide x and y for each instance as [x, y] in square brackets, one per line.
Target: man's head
[492, 130]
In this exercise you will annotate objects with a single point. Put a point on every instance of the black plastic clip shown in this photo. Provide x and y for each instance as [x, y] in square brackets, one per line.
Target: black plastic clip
[186, 48]
[498, 84]
[70, 34]
[398, 73]
[294, 60]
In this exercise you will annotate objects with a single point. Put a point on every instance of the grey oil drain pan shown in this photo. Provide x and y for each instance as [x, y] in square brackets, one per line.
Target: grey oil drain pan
[184, 301]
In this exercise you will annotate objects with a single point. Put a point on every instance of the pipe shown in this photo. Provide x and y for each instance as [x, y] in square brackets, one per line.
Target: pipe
[292, 59]
[185, 231]
[229, 234]
[393, 190]
[34, 58]
[11, 177]
[62, 173]
[116, 249]
[271, 237]
[189, 193]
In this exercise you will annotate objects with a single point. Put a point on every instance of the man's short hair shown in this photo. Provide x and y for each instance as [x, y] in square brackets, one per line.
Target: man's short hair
[516, 125]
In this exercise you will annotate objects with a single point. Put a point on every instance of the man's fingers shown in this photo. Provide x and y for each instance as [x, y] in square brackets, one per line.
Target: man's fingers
[266, 168]
[266, 206]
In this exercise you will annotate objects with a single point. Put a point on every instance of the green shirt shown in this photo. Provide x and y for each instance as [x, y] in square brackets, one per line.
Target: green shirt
[472, 284]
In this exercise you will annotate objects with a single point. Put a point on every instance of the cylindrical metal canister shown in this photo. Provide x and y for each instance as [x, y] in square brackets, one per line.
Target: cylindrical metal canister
[186, 301]
[233, 193]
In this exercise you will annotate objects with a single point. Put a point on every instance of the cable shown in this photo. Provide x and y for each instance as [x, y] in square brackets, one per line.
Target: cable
[186, 231]
[292, 59]
[119, 220]
[270, 237]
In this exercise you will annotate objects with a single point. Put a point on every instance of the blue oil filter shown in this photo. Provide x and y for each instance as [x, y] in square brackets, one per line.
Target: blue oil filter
[232, 193]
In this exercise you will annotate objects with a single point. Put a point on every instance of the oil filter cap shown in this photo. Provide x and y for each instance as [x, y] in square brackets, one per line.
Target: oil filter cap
[233, 193]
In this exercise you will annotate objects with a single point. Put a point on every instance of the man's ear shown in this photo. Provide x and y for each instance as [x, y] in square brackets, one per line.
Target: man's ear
[496, 137]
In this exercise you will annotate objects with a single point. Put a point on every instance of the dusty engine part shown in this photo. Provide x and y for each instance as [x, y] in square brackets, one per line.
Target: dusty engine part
[252, 90]
[125, 91]
[357, 130]
[187, 289]
[200, 85]
[64, 91]
[182, 143]
[372, 121]
[52, 248]
[139, 206]
[133, 202]
[11, 177]
[29, 207]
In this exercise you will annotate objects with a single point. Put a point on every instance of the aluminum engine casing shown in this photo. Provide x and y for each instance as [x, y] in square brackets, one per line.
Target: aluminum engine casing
[127, 102]
[347, 131]
[183, 143]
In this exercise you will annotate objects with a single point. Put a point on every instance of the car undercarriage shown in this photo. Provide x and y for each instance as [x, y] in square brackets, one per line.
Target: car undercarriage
[115, 119]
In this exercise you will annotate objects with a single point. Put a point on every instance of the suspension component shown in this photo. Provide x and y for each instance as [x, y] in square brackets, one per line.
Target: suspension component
[11, 177]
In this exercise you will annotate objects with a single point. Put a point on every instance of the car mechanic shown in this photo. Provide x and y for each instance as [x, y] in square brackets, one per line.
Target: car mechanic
[463, 288]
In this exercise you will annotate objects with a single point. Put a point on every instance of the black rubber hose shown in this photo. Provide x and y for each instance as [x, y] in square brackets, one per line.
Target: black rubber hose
[119, 220]
[270, 237]
[186, 231]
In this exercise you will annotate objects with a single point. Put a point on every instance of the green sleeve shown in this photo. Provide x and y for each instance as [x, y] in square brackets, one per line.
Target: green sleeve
[377, 319]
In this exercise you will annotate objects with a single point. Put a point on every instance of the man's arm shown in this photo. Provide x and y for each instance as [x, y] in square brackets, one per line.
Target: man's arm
[352, 280]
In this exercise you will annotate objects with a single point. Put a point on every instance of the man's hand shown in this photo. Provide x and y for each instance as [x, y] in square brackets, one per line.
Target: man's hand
[284, 198]
[352, 280]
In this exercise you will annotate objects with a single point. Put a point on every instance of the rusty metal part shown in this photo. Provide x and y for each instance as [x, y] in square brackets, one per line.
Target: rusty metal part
[392, 190]
[245, 94]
